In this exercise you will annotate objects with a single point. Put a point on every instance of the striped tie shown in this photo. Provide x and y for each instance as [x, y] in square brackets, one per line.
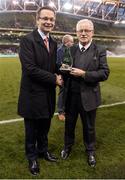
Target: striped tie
[46, 42]
[82, 49]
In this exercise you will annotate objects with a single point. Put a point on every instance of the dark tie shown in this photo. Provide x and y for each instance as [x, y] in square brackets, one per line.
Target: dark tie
[82, 49]
[46, 42]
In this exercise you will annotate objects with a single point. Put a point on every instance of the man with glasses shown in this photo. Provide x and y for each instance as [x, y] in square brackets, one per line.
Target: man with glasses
[89, 68]
[38, 83]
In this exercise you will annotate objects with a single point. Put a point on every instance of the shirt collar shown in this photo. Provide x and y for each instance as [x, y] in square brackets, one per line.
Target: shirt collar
[43, 36]
[86, 46]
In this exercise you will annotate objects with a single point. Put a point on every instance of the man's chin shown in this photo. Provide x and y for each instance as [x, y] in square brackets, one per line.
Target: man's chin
[48, 30]
[84, 42]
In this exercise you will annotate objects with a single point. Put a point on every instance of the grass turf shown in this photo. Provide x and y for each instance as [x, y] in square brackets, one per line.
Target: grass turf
[110, 128]
[113, 90]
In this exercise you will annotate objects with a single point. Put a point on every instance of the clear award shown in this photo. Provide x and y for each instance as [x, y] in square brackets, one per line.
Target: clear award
[67, 60]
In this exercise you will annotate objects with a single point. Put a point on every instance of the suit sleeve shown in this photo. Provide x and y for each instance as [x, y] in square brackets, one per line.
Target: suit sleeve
[29, 66]
[59, 57]
[101, 73]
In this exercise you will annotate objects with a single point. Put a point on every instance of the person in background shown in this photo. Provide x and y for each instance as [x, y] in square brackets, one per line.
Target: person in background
[67, 42]
[89, 69]
[36, 103]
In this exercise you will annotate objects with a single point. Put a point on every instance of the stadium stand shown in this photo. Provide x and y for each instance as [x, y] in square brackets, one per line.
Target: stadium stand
[65, 23]
[17, 20]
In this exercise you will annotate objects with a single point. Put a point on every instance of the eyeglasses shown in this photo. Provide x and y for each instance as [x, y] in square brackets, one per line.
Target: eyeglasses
[46, 19]
[85, 30]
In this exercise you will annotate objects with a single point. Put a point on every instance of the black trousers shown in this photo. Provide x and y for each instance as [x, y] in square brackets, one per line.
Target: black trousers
[88, 123]
[36, 137]
[61, 100]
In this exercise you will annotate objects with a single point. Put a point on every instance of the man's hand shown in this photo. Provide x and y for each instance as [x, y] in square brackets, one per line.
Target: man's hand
[77, 72]
[59, 80]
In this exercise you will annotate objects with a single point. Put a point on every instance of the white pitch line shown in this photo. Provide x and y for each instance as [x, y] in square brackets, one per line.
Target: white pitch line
[16, 120]
[20, 119]
[113, 104]
[10, 121]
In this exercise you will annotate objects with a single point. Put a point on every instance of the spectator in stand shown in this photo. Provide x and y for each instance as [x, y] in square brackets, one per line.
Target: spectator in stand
[67, 42]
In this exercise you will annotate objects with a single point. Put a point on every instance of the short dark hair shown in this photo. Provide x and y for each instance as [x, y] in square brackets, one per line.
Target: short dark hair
[46, 8]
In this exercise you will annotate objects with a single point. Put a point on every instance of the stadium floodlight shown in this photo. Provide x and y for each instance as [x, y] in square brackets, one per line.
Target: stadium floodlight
[77, 7]
[51, 4]
[15, 2]
[100, 1]
[116, 22]
[123, 22]
[27, 2]
[67, 6]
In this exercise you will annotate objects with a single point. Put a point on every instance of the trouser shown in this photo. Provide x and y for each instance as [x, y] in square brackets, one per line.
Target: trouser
[61, 100]
[88, 123]
[36, 137]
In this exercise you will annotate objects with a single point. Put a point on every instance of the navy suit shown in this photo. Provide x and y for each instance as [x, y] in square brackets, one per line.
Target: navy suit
[60, 54]
[37, 91]
[61, 96]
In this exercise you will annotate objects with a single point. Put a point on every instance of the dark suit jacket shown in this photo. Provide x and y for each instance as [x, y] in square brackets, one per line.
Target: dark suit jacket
[38, 82]
[96, 67]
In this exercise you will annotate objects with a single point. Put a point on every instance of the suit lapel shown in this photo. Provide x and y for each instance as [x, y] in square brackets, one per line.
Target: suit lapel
[73, 51]
[51, 46]
[39, 39]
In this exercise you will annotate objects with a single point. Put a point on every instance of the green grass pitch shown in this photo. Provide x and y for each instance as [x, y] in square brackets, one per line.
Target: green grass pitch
[110, 132]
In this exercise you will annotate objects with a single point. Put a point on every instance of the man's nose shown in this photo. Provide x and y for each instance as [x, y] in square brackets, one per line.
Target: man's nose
[83, 32]
[48, 21]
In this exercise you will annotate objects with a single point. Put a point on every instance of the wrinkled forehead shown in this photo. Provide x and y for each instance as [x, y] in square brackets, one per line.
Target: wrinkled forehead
[85, 25]
[47, 13]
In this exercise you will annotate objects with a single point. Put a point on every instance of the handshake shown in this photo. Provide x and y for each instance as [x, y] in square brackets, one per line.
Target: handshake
[65, 67]
[59, 80]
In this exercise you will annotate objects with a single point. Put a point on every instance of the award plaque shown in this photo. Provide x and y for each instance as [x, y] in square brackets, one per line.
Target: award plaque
[67, 60]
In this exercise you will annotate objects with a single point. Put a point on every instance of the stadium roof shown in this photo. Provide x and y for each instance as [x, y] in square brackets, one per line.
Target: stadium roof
[111, 10]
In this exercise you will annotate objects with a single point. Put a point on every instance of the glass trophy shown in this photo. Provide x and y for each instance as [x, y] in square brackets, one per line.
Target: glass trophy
[67, 60]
